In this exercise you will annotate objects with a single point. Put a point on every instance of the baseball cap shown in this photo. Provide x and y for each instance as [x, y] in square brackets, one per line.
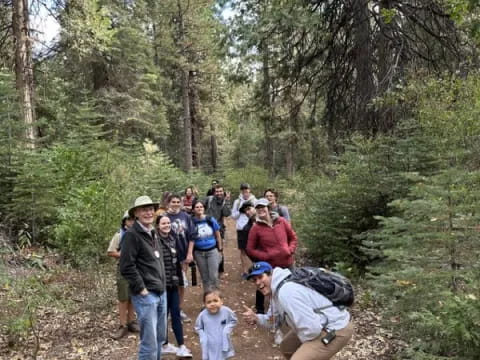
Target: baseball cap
[258, 268]
[244, 186]
[261, 202]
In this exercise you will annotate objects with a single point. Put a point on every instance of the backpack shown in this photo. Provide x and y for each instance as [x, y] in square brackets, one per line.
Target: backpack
[332, 285]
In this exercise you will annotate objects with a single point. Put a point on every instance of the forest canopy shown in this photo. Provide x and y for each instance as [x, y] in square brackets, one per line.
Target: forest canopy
[365, 114]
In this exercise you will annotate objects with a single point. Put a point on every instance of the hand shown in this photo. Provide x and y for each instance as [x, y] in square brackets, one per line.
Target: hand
[227, 195]
[144, 292]
[249, 316]
[189, 259]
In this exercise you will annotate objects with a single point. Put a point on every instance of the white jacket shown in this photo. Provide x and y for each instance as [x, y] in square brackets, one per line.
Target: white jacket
[296, 305]
[242, 219]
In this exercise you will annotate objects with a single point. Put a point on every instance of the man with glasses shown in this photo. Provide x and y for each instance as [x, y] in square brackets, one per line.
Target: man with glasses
[141, 263]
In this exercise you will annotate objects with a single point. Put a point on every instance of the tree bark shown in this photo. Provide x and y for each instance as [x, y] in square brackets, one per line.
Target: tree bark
[386, 68]
[364, 84]
[24, 68]
[213, 148]
[185, 83]
[268, 113]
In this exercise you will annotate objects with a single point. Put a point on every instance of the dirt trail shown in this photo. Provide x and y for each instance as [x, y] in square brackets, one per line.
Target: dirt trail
[83, 331]
[250, 342]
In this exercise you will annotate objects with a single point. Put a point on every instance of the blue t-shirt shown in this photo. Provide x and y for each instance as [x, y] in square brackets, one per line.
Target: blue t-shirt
[206, 233]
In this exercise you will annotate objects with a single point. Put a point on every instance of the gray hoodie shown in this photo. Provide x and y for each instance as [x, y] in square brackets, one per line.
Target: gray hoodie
[295, 304]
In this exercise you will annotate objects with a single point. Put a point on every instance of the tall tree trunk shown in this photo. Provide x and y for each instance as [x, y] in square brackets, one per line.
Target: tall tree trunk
[24, 68]
[213, 148]
[268, 113]
[185, 83]
[187, 124]
[364, 84]
[196, 121]
[386, 67]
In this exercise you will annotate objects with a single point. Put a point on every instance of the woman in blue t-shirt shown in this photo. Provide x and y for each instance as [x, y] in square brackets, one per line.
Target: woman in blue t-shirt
[206, 246]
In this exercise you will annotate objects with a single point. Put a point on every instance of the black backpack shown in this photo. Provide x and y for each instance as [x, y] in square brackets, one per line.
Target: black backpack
[332, 285]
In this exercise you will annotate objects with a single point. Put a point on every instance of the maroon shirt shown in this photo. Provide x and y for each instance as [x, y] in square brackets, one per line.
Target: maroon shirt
[275, 245]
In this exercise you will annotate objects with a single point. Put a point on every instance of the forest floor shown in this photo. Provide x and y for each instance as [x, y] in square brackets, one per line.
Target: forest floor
[78, 314]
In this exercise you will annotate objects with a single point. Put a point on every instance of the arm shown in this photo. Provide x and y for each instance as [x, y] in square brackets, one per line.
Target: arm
[216, 232]
[115, 254]
[264, 320]
[226, 209]
[189, 258]
[231, 321]
[199, 329]
[219, 240]
[235, 208]
[307, 323]
[286, 214]
[128, 267]
[291, 237]
[113, 247]
[252, 245]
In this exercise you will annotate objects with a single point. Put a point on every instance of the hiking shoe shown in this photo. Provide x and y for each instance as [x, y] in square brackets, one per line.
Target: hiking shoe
[133, 326]
[121, 332]
[169, 349]
[184, 352]
[184, 317]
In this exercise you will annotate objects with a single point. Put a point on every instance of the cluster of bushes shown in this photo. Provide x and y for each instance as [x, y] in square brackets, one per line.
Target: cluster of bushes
[403, 210]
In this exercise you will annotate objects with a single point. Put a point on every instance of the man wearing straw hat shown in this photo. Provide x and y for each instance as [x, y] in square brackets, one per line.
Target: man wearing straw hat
[141, 263]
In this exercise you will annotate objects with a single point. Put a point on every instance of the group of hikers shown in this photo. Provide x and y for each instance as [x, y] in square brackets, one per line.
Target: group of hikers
[159, 241]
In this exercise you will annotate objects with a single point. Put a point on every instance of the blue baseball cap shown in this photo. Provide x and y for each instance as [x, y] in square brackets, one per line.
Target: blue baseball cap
[258, 268]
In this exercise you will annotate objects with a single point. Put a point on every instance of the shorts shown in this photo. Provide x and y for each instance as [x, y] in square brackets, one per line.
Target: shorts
[123, 290]
[242, 237]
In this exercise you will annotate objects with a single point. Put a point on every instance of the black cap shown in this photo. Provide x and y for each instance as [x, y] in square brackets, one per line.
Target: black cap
[244, 186]
[244, 207]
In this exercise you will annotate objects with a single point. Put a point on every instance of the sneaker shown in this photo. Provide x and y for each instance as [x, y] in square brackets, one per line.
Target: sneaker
[169, 349]
[121, 332]
[184, 352]
[184, 317]
[133, 326]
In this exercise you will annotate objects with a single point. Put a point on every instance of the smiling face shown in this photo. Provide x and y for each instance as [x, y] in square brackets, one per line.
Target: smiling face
[219, 192]
[175, 204]
[144, 214]
[262, 212]
[245, 193]
[263, 283]
[189, 192]
[213, 302]
[199, 209]
[270, 196]
[164, 226]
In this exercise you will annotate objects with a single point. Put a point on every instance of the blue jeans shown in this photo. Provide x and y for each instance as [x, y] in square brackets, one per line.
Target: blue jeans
[207, 262]
[151, 312]
[173, 306]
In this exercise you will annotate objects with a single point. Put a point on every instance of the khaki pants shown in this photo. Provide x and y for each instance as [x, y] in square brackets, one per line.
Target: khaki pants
[293, 349]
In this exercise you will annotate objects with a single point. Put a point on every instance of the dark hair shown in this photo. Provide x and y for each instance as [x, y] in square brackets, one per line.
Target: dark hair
[272, 191]
[244, 186]
[218, 186]
[188, 187]
[212, 290]
[174, 196]
[195, 202]
[159, 217]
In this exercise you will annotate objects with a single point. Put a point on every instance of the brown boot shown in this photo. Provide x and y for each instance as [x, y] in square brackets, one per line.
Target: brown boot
[121, 332]
[133, 326]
